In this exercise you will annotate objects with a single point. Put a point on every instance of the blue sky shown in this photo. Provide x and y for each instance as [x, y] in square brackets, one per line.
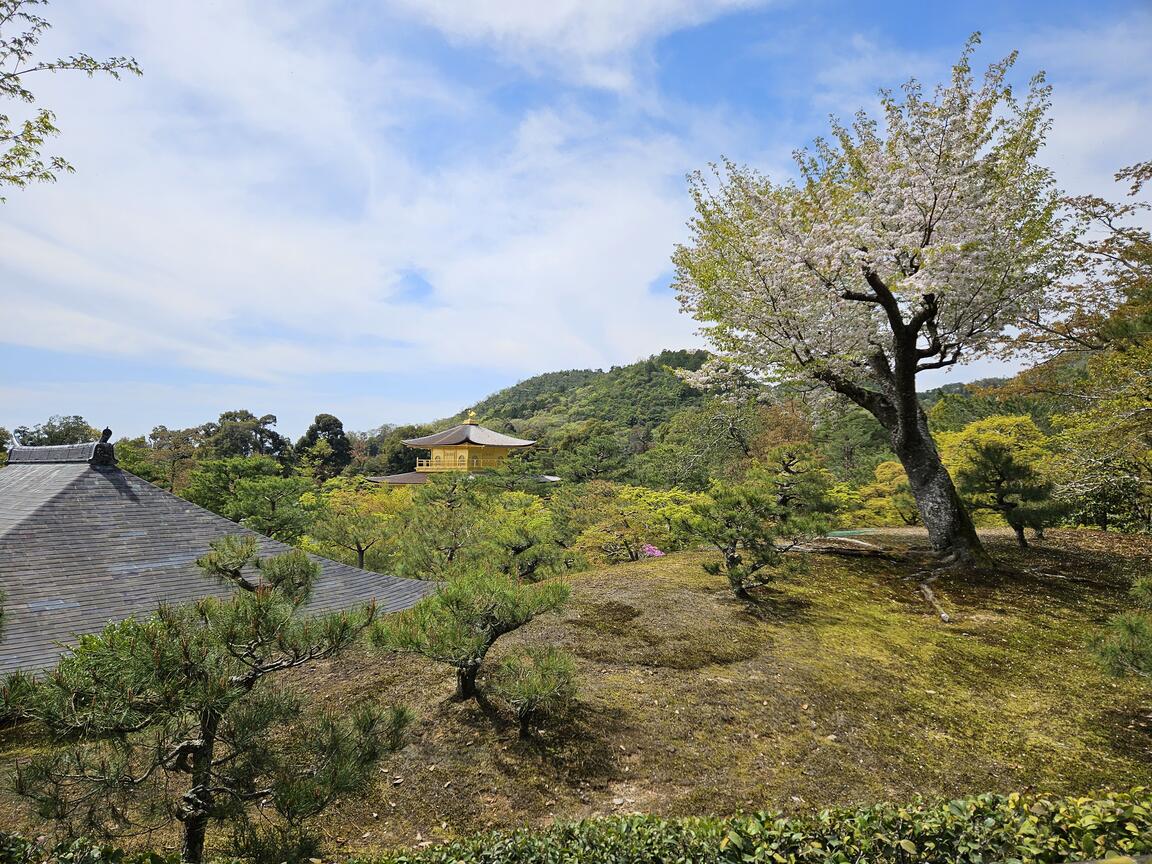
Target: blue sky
[386, 210]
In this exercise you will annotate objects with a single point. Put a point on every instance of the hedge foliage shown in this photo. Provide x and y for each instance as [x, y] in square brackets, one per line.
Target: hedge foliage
[1015, 829]
[15, 849]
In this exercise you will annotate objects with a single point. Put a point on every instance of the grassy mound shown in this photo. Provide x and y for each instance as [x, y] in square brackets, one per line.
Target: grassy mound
[839, 687]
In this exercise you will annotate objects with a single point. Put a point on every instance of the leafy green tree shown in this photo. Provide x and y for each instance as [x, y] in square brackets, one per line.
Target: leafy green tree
[536, 683]
[443, 525]
[212, 484]
[903, 248]
[355, 521]
[175, 716]
[630, 518]
[57, 429]
[852, 442]
[1104, 444]
[459, 624]
[242, 433]
[700, 442]
[274, 506]
[591, 450]
[1000, 465]
[887, 500]
[338, 454]
[22, 160]
[134, 455]
[795, 475]
[174, 453]
[518, 536]
[5, 443]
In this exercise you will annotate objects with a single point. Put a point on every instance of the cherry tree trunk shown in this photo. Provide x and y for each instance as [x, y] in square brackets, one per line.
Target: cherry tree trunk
[950, 528]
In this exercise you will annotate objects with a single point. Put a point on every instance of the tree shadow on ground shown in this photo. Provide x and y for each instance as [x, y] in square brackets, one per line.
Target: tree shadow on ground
[772, 605]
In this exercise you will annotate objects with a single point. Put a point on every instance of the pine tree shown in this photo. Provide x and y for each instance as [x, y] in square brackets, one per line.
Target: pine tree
[173, 716]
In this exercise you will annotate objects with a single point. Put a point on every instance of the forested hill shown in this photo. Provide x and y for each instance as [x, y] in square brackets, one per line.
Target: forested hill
[641, 423]
[645, 393]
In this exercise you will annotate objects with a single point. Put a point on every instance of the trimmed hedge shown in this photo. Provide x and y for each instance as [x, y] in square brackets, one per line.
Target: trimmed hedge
[1015, 829]
[614, 840]
[15, 849]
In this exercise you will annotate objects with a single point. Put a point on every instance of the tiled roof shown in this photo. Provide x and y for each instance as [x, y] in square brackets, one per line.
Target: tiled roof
[468, 433]
[61, 453]
[84, 544]
[408, 478]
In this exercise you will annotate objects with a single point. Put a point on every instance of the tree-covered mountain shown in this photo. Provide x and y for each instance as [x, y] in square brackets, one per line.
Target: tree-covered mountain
[642, 394]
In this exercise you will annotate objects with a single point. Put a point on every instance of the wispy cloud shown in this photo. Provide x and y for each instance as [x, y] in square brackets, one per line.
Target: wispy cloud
[313, 206]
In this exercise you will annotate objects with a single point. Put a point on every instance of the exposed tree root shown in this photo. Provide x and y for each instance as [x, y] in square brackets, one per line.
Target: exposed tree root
[930, 596]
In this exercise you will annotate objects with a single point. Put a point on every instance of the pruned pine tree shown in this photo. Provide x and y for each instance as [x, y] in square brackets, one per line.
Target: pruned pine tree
[745, 523]
[536, 683]
[177, 716]
[902, 249]
[1001, 465]
[460, 623]
[1126, 647]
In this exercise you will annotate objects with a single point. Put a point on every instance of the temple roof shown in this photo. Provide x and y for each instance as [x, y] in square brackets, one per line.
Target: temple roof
[468, 433]
[83, 543]
[408, 478]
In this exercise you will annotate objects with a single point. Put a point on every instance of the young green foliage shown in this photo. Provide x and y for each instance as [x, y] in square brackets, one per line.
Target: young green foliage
[172, 716]
[460, 623]
[22, 160]
[620, 521]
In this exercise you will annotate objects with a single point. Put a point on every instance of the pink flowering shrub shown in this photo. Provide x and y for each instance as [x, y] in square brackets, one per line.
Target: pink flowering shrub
[651, 551]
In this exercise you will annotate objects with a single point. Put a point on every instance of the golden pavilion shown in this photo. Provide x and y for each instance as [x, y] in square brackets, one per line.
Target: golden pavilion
[465, 447]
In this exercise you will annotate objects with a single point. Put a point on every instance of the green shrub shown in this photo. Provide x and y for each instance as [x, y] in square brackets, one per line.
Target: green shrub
[1026, 829]
[1015, 829]
[616, 840]
[15, 849]
[537, 683]
[15, 689]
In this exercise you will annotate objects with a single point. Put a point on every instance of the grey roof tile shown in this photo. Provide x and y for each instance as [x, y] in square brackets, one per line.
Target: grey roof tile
[82, 545]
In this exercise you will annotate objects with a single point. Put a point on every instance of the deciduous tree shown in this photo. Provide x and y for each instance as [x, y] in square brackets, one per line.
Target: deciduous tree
[22, 160]
[900, 250]
[57, 429]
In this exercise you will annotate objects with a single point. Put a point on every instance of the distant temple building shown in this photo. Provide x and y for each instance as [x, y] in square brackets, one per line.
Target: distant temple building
[466, 447]
[83, 543]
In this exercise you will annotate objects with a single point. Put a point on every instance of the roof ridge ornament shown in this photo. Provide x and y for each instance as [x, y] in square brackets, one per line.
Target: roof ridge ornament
[471, 421]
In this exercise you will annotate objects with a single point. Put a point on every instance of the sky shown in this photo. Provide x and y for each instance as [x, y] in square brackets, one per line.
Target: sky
[387, 210]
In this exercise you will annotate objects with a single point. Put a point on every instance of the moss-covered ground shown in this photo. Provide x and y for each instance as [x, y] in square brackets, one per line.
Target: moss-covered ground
[840, 685]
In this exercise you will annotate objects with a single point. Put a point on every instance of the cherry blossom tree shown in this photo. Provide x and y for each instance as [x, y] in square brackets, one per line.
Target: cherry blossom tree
[901, 249]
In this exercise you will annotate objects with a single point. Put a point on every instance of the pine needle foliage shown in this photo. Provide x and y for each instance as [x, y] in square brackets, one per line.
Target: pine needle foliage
[460, 623]
[176, 716]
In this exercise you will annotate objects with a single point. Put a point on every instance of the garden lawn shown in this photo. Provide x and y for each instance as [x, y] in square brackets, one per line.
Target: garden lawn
[840, 686]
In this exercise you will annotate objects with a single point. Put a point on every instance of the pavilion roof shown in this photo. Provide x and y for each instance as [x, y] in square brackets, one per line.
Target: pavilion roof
[468, 433]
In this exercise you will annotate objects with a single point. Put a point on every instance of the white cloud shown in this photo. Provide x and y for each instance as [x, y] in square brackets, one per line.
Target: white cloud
[219, 254]
[248, 207]
[589, 41]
